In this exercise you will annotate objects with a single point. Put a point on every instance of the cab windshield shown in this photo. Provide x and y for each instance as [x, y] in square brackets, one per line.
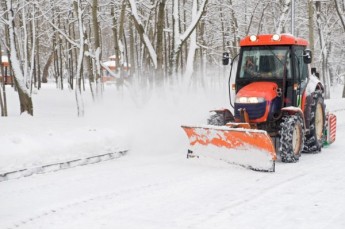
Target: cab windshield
[265, 62]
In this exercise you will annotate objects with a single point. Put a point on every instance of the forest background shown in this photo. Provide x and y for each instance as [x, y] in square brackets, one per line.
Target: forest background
[164, 42]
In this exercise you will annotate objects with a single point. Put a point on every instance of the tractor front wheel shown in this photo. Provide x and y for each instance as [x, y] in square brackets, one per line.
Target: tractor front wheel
[220, 117]
[291, 138]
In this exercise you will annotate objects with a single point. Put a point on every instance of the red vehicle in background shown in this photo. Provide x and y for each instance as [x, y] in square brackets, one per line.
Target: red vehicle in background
[5, 76]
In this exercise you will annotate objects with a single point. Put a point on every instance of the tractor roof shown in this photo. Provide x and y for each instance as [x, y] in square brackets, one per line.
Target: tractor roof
[272, 39]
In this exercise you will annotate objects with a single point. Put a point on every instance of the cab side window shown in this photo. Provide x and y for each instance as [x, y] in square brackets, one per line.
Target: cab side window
[301, 69]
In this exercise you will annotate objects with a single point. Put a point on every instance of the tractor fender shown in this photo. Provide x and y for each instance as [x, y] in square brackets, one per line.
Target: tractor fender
[291, 110]
[313, 84]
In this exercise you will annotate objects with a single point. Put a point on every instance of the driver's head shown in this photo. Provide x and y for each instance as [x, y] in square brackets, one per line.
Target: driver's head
[249, 59]
[281, 56]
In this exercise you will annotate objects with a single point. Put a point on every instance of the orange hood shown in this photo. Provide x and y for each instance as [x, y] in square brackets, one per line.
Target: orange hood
[267, 90]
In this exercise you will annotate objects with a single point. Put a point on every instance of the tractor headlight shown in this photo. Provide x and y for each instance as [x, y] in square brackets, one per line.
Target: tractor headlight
[253, 38]
[276, 37]
[249, 100]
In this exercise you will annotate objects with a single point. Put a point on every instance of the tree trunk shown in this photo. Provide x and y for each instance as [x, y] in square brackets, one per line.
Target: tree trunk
[311, 25]
[60, 62]
[176, 44]
[122, 18]
[251, 18]
[116, 40]
[131, 49]
[91, 73]
[46, 67]
[25, 101]
[160, 33]
[3, 100]
[38, 65]
[180, 39]
[323, 47]
[24, 96]
[342, 19]
[283, 16]
[98, 50]
[78, 90]
[143, 36]
[192, 48]
[234, 31]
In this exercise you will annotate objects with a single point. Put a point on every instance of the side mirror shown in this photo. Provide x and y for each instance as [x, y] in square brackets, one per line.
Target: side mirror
[307, 56]
[226, 58]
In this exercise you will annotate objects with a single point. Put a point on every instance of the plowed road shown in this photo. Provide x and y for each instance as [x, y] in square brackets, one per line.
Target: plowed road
[166, 190]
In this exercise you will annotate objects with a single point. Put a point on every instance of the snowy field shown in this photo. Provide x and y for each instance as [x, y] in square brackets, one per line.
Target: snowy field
[153, 185]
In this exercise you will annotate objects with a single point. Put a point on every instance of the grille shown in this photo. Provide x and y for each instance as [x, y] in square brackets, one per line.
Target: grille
[254, 111]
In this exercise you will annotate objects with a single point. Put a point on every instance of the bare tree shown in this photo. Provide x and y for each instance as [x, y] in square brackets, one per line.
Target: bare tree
[20, 72]
[283, 16]
[341, 14]
[160, 37]
[155, 36]
[78, 90]
[324, 53]
[143, 35]
[178, 38]
[311, 25]
[192, 47]
[3, 101]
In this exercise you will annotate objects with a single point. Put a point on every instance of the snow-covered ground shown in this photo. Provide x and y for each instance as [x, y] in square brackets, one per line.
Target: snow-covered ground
[154, 185]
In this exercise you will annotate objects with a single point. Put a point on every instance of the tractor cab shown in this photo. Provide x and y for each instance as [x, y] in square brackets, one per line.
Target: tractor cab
[272, 73]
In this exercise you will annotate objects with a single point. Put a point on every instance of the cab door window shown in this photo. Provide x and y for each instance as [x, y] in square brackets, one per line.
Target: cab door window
[301, 74]
[301, 69]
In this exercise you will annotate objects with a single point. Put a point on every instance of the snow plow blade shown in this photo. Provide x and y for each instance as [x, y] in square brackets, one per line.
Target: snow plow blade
[233, 143]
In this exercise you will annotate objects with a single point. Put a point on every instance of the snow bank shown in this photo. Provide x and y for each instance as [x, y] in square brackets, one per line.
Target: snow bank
[145, 121]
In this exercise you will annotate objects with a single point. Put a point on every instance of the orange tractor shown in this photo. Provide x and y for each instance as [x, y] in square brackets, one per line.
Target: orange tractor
[279, 108]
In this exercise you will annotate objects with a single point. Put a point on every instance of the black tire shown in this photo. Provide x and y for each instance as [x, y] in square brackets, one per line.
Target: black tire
[220, 117]
[315, 137]
[291, 138]
[216, 119]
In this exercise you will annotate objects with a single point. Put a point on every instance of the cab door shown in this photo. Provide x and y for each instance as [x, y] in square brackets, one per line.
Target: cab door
[300, 70]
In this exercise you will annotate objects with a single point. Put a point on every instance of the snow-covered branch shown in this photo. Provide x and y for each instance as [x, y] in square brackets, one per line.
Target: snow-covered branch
[340, 14]
[142, 33]
[179, 39]
[195, 21]
[283, 16]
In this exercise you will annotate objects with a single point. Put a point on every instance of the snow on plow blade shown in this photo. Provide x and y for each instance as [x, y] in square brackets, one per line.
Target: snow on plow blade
[249, 148]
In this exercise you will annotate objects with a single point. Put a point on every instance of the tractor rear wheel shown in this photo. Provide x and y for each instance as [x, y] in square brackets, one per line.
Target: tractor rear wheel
[291, 138]
[314, 140]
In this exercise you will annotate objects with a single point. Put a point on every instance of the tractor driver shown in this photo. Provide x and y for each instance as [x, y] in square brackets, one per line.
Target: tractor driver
[250, 68]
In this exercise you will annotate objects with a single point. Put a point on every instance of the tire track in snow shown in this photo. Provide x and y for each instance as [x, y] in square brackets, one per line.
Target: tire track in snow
[107, 196]
[254, 195]
[125, 194]
[266, 191]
